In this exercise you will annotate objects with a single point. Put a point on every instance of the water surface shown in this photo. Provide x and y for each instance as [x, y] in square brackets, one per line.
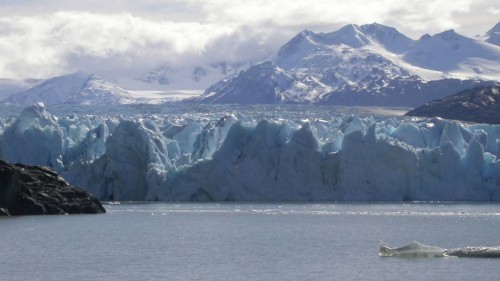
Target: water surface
[166, 241]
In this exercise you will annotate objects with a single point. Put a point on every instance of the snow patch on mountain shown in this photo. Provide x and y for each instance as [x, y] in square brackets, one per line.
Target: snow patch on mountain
[450, 52]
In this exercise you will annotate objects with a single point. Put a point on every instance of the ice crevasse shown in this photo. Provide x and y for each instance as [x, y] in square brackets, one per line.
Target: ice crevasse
[236, 158]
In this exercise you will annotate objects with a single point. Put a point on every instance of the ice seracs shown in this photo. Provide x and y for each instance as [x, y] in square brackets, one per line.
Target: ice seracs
[133, 165]
[234, 157]
[34, 138]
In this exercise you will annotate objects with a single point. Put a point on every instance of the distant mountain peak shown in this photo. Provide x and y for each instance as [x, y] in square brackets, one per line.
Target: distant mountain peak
[495, 29]
[261, 83]
[349, 35]
[306, 32]
[79, 73]
[449, 35]
[376, 26]
[425, 36]
[74, 88]
[349, 28]
[389, 37]
[492, 36]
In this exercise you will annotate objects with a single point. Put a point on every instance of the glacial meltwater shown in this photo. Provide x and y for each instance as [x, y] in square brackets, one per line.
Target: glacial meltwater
[231, 241]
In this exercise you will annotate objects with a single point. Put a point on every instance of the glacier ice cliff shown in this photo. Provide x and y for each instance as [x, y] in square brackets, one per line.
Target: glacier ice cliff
[227, 157]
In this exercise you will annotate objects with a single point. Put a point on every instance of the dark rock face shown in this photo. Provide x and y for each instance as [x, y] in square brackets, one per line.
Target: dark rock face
[37, 190]
[480, 104]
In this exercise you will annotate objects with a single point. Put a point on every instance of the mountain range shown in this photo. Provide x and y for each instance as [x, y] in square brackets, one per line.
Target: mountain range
[370, 64]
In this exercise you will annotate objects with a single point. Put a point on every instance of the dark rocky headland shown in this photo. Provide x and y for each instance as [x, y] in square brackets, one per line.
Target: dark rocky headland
[480, 104]
[38, 190]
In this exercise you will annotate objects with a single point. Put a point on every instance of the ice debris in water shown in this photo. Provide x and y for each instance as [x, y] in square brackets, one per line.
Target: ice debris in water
[419, 250]
[412, 250]
[234, 157]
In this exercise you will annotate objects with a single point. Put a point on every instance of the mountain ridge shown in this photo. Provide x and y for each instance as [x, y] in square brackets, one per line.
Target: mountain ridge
[369, 62]
[77, 88]
[480, 104]
[493, 35]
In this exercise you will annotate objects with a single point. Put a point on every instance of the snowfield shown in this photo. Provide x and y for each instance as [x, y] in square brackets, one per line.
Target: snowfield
[259, 154]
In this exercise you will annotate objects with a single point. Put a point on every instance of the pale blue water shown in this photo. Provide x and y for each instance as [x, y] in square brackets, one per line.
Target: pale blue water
[248, 242]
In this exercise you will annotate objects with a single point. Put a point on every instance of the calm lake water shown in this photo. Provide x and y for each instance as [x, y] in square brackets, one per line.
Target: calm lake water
[167, 241]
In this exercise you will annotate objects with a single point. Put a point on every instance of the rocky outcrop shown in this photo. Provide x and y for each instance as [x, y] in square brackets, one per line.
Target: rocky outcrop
[38, 190]
[480, 104]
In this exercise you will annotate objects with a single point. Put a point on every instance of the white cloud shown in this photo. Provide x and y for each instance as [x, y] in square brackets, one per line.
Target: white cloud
[494, 10]
[40, 46]
[38, 40]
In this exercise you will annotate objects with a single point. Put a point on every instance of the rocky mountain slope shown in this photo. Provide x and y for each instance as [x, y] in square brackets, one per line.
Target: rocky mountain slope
[481, 104]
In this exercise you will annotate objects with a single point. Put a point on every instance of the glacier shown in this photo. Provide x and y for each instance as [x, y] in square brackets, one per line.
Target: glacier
[259, 153]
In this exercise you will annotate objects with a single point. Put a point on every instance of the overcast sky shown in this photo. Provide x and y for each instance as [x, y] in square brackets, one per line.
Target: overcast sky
[44, 38]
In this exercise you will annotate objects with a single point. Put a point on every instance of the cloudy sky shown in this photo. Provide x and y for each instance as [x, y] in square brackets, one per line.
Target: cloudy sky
[44, 38]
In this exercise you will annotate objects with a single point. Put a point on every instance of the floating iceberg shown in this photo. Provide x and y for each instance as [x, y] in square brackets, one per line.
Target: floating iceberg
[419, 250]
[412, 250]
[227, 157]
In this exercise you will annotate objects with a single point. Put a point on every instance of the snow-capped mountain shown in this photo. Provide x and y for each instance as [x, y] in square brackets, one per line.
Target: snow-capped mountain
[367, 64]
[451, 53]
[197, 77]
[78, 88]
[494, 35]
[262, 83]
